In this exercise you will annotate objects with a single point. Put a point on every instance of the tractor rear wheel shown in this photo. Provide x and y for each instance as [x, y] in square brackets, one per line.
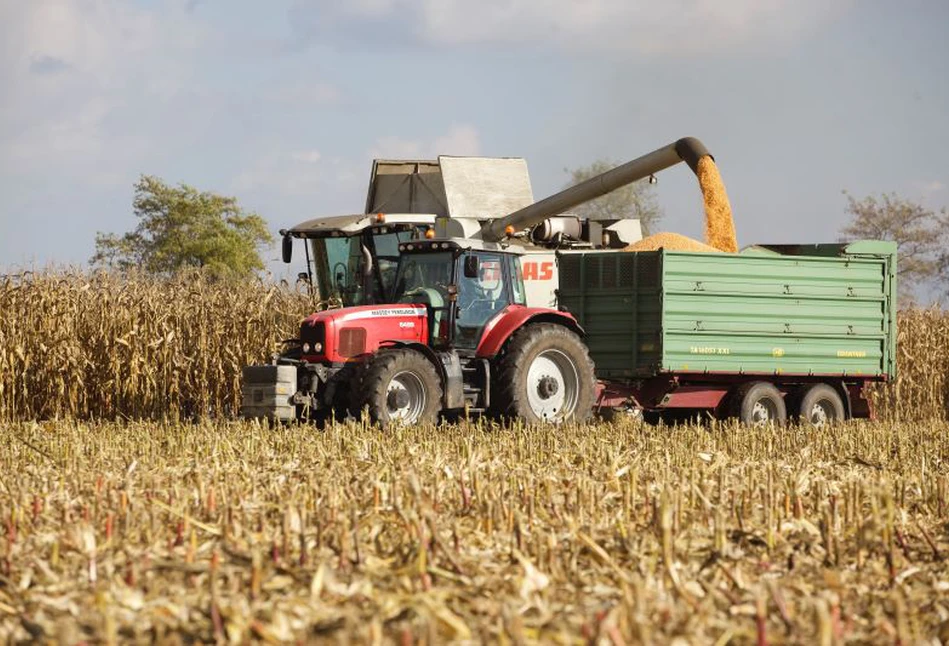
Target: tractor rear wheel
[400, 387]
[544, 374]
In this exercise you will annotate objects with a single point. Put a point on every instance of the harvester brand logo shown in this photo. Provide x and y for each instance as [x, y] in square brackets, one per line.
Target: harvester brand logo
[707, 349]
[777, 352]
[537, 270]
[851, 354]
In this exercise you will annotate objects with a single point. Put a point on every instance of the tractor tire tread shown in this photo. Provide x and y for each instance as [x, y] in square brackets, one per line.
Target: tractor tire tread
[371, 382]
[507, 400]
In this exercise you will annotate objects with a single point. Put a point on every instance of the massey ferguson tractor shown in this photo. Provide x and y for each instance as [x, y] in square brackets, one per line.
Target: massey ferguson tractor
[439, 318]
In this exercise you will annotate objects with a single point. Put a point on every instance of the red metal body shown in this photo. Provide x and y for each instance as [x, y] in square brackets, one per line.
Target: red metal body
[512, 317]
[354, 331]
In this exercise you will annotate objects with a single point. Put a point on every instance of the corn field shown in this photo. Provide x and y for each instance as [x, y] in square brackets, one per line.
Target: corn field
[81, 346]
[232, 532]
[102, 347]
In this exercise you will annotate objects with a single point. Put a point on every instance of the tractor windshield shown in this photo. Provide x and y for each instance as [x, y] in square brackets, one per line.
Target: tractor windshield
[424, 278]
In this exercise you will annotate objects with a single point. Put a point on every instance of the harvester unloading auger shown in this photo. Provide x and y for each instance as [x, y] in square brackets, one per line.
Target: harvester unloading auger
[719, 226]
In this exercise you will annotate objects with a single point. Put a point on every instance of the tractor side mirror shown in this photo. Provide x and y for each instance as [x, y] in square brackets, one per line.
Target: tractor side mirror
[287, 249]
[471, 266]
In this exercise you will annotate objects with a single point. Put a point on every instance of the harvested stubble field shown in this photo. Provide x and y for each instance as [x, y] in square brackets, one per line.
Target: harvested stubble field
[624, 533]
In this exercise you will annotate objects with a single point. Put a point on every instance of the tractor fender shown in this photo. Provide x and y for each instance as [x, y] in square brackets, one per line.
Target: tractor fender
[448, 367]
[513, 317]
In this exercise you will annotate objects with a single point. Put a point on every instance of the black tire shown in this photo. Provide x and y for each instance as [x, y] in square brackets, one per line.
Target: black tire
[562, 369]
[396, 371]
[759, 403]
[819, 405]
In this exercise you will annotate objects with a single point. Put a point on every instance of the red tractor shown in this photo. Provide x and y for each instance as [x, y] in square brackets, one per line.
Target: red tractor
[456, 336]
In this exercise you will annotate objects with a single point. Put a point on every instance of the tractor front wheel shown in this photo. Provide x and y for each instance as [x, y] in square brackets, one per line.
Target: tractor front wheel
[545, 374]
[400, 387]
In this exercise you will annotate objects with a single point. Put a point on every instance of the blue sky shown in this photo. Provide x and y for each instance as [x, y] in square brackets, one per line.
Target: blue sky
[284, 104]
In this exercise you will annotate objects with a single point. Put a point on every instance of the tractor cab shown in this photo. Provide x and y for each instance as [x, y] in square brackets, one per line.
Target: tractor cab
[463, 286]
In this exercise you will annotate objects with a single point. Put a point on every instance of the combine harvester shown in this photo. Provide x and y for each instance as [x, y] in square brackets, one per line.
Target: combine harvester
[442, 315]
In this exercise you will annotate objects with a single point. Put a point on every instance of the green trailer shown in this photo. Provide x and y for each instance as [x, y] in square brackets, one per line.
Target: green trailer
[776, 330]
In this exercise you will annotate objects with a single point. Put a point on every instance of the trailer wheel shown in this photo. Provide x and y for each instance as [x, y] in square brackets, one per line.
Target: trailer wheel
[545, 374]
[820, 405]
[759, 403]
[400, 387]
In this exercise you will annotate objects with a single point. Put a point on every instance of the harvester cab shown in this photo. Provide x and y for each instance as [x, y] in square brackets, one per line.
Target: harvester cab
[352, 259]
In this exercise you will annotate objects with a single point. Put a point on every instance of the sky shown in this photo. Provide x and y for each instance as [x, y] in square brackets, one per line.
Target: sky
[284, 104]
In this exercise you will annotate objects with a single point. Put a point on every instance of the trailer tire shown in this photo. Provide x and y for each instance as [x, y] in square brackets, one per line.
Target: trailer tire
[819, 405]
[759, 403]
[544, 375]
[399, 387]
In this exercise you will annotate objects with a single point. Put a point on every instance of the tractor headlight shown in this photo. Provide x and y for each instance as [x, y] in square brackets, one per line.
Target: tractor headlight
[317, 347]
[306, 348]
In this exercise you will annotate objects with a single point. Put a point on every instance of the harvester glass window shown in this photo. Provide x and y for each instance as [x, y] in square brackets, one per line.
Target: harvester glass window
[479, 298]
[386, 246]
[342, 276]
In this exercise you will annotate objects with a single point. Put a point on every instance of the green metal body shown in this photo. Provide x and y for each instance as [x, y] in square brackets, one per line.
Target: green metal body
[801, 310]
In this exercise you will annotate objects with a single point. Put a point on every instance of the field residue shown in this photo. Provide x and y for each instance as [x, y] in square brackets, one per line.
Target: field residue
[166, 533]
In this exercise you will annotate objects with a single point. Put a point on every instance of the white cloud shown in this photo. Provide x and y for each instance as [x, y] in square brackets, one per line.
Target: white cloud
[461, 139]
[643, 26]
[306, 156]
[309, 94]
[68, 68]
[275, 172]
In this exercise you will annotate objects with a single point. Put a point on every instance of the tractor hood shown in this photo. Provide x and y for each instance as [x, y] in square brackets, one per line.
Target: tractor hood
[342, 335]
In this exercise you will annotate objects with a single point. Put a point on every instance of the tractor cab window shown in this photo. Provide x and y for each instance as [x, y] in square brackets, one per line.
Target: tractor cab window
[479, 297]
[518, 295]
[424, 278]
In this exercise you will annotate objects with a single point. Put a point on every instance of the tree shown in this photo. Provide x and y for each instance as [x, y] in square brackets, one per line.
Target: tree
[921, 236]
[181, 228]
[636, 200]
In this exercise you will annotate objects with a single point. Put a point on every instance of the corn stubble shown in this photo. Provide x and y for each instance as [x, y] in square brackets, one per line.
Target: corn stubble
[614, 533]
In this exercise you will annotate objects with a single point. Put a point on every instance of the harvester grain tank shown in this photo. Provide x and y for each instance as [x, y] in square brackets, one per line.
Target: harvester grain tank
[757, 335]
